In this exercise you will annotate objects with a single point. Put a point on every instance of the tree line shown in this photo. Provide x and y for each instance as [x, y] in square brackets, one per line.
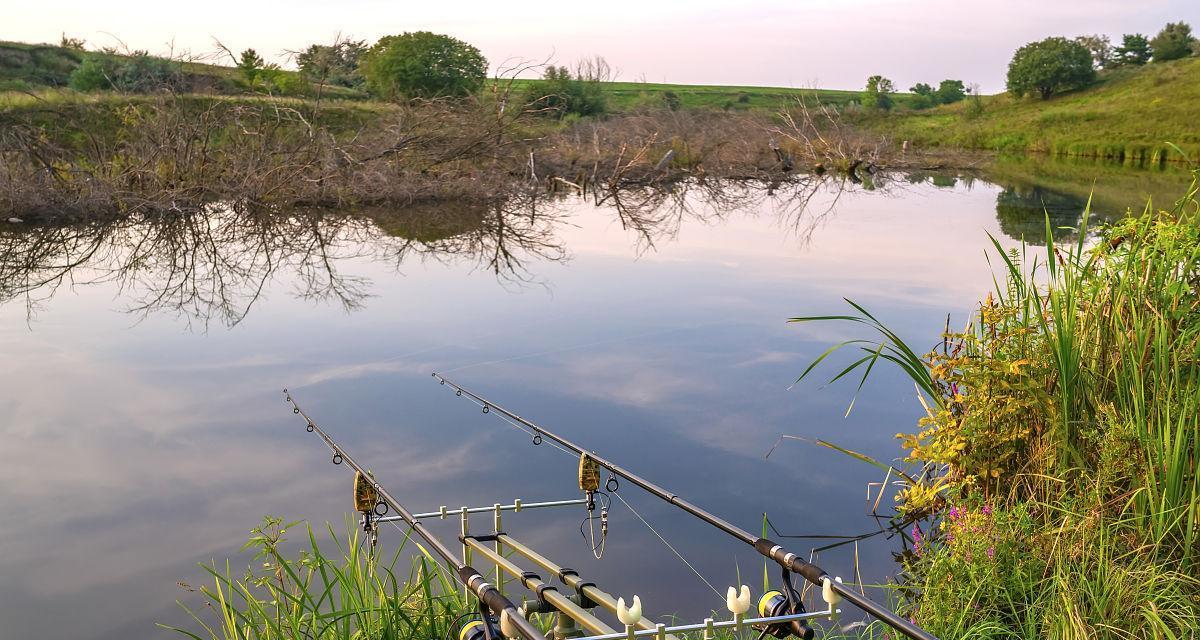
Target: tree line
[1050, 66]
[1057, 64]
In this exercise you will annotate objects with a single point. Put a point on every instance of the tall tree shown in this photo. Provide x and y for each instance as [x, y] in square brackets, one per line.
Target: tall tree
[1101, 49]
[334, 64]
[1049, 66]
[878, 93]
[250, 64]
[1134, 50]
[1173, 42]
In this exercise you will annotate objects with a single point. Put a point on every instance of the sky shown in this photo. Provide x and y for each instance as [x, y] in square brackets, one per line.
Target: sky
[798, 43]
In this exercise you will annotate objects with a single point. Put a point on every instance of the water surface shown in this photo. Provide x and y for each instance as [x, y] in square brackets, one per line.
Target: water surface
[144, 430]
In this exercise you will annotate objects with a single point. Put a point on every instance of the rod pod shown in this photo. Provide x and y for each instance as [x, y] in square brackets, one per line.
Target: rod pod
[490, 599]
[768, 548]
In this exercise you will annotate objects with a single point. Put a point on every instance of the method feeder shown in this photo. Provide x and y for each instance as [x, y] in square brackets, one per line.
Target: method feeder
[790, 562]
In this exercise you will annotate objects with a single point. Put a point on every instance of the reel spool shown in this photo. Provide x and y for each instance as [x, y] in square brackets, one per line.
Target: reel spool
[475, 629]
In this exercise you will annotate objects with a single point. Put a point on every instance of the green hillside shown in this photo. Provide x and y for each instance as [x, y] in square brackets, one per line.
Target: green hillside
[1129, 115]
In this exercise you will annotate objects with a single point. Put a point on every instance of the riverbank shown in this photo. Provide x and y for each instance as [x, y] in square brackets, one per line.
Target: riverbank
[71, 155]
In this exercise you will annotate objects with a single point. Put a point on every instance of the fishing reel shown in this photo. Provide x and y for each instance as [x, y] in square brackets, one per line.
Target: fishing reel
[476, 628]
[783, 603]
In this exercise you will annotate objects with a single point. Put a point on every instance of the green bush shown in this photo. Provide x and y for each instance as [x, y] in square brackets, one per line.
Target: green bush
[422, 65]
[94, 74]
[671, 100]
[561, 93]
[136, 73]
[283, 83]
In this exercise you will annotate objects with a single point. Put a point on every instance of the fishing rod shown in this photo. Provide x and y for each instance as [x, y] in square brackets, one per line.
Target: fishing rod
[789, 561]
[511, 621]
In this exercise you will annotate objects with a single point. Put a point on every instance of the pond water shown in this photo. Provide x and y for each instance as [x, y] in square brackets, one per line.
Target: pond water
[144, 430]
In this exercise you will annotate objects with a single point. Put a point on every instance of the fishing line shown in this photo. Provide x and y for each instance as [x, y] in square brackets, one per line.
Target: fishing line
[669, 546]
[589, 520]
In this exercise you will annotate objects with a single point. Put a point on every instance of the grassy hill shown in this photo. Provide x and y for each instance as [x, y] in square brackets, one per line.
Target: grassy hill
[1129, 116]
[28, 67]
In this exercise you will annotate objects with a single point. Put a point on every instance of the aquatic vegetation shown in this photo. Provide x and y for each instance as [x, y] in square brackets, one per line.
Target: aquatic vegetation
[352, 593]
[1057, 464]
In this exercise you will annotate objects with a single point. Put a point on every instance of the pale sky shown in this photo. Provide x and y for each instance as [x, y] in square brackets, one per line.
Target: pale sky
[796, 43]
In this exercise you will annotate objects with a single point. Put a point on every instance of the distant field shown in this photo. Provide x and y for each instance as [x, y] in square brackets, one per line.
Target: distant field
[627, 95]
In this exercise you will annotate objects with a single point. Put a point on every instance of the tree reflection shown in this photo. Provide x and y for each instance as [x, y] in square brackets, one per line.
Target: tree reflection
[216, 263]
[1022, 212]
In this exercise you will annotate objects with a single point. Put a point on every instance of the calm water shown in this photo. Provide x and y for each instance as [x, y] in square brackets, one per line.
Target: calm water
[144, 430]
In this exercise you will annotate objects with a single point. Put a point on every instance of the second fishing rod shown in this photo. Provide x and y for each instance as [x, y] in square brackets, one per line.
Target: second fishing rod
[768, 548]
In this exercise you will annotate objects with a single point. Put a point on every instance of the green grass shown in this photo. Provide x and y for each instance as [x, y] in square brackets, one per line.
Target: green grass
[325, 596]
[1129, 115]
